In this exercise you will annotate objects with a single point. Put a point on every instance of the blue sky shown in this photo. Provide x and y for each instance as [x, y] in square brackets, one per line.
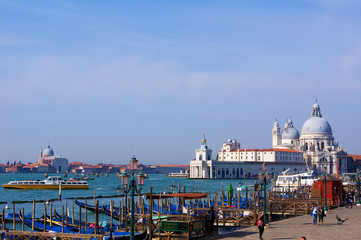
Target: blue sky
[104, 80]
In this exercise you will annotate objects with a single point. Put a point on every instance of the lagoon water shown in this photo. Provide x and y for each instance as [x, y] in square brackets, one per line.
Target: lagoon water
[106, 186]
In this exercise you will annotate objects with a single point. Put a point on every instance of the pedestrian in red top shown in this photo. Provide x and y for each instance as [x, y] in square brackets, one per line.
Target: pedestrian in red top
[261, 225]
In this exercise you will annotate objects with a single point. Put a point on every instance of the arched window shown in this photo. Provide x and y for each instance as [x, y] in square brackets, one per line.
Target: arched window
[322, 145]
[200, 157]
[306, 146]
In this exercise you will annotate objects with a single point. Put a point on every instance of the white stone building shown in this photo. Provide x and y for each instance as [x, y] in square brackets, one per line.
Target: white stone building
[314, 146]
[234, 162]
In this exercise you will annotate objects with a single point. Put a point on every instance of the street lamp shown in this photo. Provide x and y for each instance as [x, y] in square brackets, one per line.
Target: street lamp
[358, 187]
[324, 176]
[263, 177]
[132, 187]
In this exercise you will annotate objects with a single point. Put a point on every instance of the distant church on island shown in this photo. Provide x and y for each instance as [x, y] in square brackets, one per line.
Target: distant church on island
[315, 147]
[50, 162]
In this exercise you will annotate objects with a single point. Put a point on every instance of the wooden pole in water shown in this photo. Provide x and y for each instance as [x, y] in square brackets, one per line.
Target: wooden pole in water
[246, 196]
[62, 219]
[97, 217]
[66, 212]
[14, 225]
[60, 192]
[216, 200]
[33, 220]
[111, 214]
[51, 213]
[72, 212]
[86, 215]
[158, 206]
[22, 222]
[3, 221]
[79, 219]
[238, 200]
[94, 197]
[44, 215]
[151, 214]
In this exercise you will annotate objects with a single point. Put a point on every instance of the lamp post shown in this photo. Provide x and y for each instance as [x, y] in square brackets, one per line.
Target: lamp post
[358, 187]
[263, 177]
[132, 187]
[324, 175]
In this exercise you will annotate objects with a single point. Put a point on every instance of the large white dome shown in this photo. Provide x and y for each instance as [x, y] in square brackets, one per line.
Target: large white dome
[316, 125]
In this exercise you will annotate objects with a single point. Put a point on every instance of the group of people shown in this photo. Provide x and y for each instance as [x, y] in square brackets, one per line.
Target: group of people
[318, 212]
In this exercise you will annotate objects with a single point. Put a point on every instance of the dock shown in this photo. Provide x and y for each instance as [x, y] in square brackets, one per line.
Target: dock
[296, 227]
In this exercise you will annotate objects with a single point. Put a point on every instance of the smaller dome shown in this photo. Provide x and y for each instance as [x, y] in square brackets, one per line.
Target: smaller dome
[48, 151]
[290, 133]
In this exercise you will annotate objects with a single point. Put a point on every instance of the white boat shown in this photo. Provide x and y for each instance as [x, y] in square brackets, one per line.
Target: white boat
[288, 182]
[180, 174]
[244, 187]
[52, 182]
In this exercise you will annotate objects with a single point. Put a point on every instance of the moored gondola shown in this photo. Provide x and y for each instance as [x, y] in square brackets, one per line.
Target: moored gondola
[88, 206]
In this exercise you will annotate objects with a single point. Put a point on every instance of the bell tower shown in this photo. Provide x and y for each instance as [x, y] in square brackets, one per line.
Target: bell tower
[276, 134]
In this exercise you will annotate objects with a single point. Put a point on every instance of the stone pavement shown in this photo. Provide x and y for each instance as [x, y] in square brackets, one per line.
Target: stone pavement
[296, 227]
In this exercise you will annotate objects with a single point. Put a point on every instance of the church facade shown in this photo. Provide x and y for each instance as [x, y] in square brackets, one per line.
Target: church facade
[314, 147]
[320, 150]
[48, 160]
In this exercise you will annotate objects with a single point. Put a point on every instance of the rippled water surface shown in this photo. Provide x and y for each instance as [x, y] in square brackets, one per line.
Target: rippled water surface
[103, 186]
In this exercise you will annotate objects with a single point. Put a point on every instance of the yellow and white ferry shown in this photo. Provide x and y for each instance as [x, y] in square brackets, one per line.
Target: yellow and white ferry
[52, 182]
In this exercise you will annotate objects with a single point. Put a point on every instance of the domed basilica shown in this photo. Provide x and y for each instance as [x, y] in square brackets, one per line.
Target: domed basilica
[320, 151]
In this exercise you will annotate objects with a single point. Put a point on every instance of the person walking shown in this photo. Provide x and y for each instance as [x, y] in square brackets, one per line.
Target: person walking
[320, 215]
[346, 201]
[350, 199]
[261, 225]
[314, 214]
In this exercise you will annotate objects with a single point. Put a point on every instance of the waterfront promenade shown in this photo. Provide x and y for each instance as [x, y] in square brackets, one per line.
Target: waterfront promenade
[294, 228]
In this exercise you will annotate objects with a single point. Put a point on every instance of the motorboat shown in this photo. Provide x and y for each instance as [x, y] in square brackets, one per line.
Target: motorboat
[51, 182]
[291, 182]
